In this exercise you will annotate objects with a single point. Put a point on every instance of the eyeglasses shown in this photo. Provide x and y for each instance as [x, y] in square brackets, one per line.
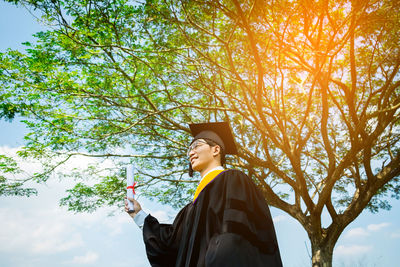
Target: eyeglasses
[195, 145]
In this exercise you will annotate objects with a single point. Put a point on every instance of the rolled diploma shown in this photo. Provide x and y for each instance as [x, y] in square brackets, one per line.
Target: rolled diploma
[129, 182]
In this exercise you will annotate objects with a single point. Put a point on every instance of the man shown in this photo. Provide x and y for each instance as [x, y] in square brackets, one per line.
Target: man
[227, 224]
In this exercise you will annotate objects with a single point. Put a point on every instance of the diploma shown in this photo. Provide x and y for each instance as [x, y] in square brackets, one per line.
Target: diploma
[130, 186]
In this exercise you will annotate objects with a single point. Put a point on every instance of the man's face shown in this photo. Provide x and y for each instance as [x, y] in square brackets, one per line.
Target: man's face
[202, 154]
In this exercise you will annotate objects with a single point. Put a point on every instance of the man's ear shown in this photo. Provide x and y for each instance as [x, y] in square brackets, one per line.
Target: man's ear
[216, 150]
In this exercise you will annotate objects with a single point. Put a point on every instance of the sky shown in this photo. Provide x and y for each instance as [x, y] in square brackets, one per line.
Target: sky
[36, 231]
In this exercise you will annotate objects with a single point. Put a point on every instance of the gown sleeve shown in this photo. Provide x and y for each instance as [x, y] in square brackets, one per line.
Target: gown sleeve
[139, 218]
[162, 240]
[248, 236]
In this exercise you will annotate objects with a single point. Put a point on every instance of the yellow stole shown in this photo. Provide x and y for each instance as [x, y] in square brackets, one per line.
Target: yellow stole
[205, 181]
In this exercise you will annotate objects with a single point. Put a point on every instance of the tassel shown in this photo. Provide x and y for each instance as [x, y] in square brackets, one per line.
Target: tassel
[190, 170]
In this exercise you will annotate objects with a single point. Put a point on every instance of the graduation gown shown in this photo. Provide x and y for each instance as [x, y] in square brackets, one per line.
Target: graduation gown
[229, 224]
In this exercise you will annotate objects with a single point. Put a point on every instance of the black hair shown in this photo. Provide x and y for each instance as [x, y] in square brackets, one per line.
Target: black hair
[210, 143]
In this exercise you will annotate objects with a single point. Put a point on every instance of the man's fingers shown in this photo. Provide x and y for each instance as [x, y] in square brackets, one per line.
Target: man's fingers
[136, 206]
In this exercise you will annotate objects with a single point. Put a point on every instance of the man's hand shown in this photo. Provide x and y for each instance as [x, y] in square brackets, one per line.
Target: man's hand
[136, 207]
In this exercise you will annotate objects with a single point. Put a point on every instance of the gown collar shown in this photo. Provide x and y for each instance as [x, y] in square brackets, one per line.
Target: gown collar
[206, 179]
[213, 169]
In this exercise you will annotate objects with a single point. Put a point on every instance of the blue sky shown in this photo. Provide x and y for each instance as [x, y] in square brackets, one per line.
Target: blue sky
[35, 231]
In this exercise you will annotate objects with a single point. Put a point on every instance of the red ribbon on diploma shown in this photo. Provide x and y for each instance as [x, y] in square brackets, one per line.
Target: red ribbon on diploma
[133, 187]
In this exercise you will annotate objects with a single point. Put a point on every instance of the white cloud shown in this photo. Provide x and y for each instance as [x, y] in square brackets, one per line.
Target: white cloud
[50, 245]
[41, 226]
[377, 227]
[28, 166]
[279, 218]
[357, 232]
[351, 250]
[362, 232]
[46, 232]
[31, 166]
[115, 223]
[395, 235]
[161, 216]
[88, 258]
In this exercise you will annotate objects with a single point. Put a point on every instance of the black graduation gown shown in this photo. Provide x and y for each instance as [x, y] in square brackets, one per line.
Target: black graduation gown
[229, 224]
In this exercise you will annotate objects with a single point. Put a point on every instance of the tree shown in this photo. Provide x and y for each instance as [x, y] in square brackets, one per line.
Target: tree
[311, 90]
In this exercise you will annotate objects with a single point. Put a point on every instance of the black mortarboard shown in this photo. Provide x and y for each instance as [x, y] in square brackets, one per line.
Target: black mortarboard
[219, 132]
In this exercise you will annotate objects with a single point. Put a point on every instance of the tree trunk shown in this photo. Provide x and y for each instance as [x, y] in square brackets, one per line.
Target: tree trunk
[321, 255]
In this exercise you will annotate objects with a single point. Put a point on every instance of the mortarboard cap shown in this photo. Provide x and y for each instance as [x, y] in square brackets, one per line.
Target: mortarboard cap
[219, 132]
